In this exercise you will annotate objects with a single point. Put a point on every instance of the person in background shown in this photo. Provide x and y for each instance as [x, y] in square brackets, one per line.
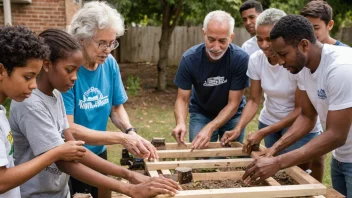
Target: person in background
[249, 11]
[324, 74]
[39, 124]
[281, 104]
[211, 79]
[98, 93]
[319, 13]
[21, 58]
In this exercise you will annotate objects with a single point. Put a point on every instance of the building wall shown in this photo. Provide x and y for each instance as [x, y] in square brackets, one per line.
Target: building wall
[72, 6]
[42, 14]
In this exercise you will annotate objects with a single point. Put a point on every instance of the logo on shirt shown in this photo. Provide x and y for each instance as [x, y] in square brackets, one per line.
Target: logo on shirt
[93, 98]
[10, 139]
[214, 81]
[322, 94]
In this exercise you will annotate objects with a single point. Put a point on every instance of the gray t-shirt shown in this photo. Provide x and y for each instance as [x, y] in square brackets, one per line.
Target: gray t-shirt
[38, 125]
[6, 151]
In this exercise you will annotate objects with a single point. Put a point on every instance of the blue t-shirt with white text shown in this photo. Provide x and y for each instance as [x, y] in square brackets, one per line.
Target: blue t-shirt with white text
[211, 81]
[91, 99]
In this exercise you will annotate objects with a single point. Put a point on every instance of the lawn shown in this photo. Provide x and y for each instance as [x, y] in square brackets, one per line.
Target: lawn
[152, 112]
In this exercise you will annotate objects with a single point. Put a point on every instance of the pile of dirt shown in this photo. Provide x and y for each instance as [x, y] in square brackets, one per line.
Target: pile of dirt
[216, 184]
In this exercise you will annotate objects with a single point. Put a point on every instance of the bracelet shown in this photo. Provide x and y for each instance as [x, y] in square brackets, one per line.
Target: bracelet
[131, 129]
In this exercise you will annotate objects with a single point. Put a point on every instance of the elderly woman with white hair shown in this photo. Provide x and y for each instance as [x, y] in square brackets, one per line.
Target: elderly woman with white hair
[99, 92]
[281, 104]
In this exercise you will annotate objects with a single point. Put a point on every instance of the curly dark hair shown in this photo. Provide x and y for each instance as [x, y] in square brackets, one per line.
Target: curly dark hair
[18, 44]
[293, 28]
[251, 4]
[61, 43]
[318, 9]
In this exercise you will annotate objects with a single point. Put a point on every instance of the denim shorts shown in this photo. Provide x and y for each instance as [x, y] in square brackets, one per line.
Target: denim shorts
[274, 137]
[341, 177]
[198, 121]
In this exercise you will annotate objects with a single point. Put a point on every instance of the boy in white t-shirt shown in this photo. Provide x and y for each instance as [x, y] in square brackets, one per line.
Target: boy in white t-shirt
[325, 73]
[21, 58]
[250, 10]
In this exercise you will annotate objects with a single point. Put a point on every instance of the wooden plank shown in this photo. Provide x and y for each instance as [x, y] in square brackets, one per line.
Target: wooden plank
[174, 145]
[166, 172]
[214, 152]
[300, 176]
[263, 192]
[235, 175]
[153, 173]
[213, 163]
[272, 182]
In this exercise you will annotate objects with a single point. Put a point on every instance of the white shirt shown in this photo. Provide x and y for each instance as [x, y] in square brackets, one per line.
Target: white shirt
[6, 151]
[251, 45]
[329, 89]
[279, 87]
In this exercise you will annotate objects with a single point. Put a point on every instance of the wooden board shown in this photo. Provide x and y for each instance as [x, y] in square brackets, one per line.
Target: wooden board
[213, 163]
[171, 146]
[214, 152]
[263, 192]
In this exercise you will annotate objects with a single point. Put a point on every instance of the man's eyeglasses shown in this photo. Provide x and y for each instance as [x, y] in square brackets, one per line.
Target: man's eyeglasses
[103, 46]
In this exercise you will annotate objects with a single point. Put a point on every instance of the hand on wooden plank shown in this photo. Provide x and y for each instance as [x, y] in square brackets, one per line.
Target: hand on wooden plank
[261, 169]
[139, 147]
[202, 139]
[179, 133]
[229, 136]
[252, 142]
[154, 186]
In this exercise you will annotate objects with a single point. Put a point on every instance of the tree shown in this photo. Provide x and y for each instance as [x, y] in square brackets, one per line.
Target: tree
[342, 11]
[168, 14]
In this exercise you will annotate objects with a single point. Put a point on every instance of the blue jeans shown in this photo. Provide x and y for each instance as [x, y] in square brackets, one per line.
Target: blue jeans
[274, 137]
[341, 177]
[198, 121]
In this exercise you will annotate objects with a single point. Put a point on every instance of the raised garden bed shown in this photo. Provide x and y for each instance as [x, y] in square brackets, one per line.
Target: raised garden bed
[226, 181]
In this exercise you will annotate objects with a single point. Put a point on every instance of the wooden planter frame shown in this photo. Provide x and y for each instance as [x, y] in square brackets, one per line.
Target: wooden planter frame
[308, 186]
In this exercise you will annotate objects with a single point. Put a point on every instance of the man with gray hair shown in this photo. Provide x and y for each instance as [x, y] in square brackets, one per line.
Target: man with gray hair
[212, 77]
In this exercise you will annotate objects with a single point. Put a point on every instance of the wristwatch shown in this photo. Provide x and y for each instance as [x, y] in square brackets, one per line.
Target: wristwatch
[131, 129]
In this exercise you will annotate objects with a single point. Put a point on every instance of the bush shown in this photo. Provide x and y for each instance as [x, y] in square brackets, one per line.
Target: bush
[133, 85]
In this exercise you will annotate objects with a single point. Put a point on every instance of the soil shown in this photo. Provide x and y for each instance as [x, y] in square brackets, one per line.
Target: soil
[216, 184]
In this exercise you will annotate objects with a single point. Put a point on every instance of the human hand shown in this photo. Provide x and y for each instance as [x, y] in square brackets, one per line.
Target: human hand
[252, 142]
[154, 186]
[137, 178]
[71, 151]
[138, 146]
[179, 133]
[229, 136]
[260, 169]
[269, 152]
[202, 139]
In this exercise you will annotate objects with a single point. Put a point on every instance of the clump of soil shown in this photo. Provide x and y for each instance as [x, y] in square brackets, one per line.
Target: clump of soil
[216, 184]
[284, 179]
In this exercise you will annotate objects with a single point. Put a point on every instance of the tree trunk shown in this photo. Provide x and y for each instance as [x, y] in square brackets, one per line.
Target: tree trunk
[164, 43]
[171, 13]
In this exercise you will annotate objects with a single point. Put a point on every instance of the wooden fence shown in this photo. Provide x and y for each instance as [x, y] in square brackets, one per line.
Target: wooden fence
[140, 44]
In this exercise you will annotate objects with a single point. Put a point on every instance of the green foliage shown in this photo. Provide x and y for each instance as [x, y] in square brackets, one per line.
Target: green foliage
[6, 104]
[133, 85]
[342, 11]
[149, 12]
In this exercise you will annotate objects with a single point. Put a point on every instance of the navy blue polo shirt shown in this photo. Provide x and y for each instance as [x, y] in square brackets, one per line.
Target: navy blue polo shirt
[211, 81]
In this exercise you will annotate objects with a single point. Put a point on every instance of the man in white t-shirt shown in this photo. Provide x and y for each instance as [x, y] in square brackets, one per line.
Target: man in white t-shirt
[249, 12]
[325, 73]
